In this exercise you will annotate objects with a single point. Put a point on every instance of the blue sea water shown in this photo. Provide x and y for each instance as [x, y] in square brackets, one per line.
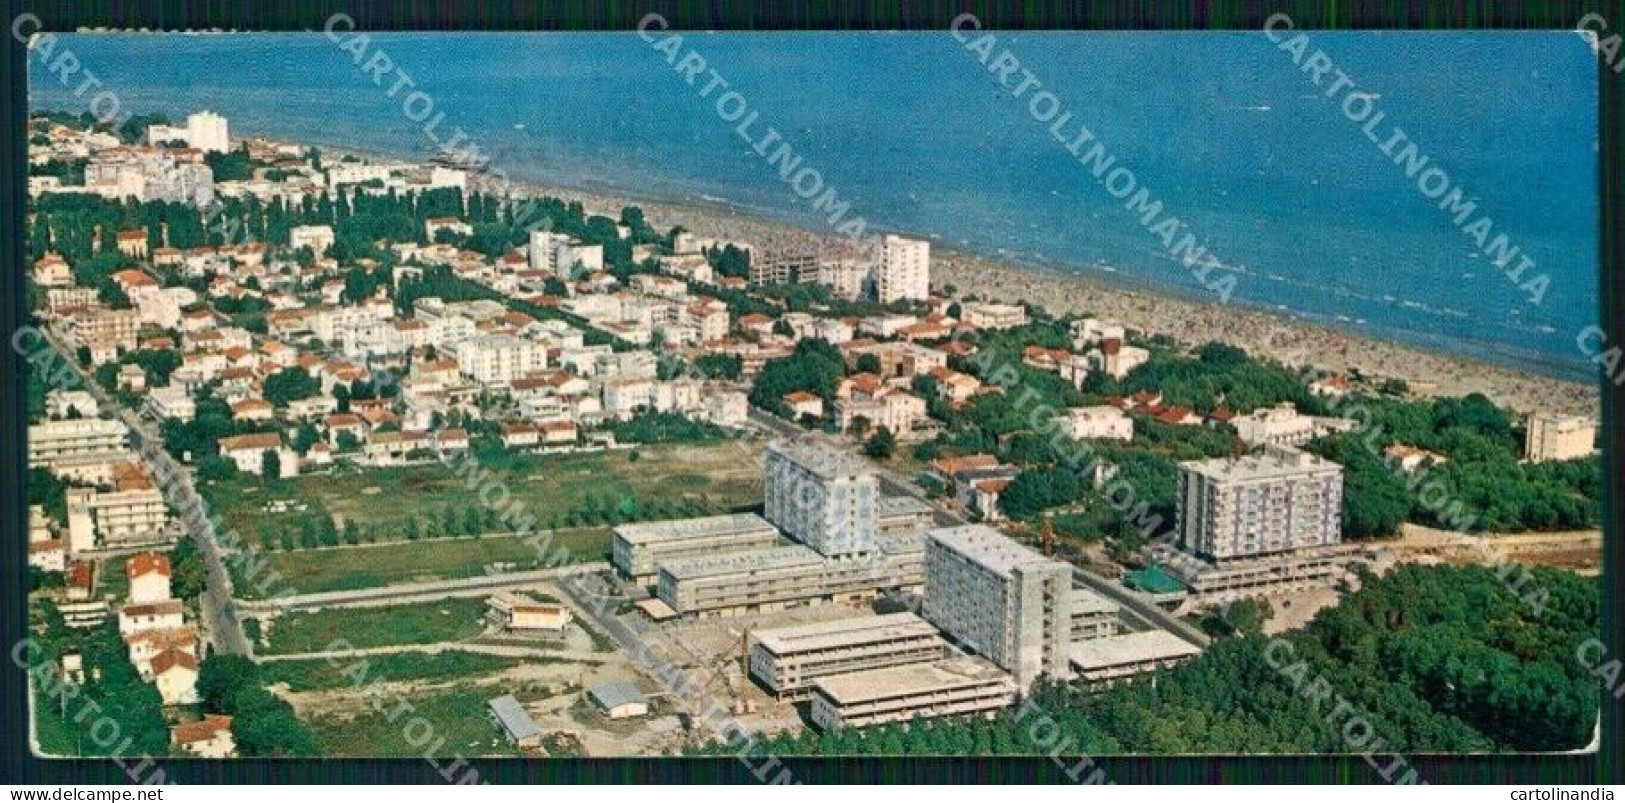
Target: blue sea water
[914, 132]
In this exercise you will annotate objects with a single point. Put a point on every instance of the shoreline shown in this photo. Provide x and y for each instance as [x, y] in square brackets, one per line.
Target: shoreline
[1292, 341]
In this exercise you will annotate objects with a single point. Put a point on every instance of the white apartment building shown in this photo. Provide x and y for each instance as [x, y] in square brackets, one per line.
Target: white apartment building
[499, 359]
[1098, 421]
[845, 278]
[205, 131]
[1116, 358]
[1000, 600]
[317, 238]
[149, 174]
[1279, 501]
[896, 411]
[171, 401]
[1089, 331]
[993, 316]
[561, 254]
[1283, 425]
[1553, 437]
[821, 497]
[53, 442]
[541, 248]
[904, 271]
[578, 257]
[115, 519]
[357, 173]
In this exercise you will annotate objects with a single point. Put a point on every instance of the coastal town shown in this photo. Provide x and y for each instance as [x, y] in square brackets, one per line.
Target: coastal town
[317, 438]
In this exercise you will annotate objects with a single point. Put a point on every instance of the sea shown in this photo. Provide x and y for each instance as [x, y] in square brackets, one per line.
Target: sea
[918, 136]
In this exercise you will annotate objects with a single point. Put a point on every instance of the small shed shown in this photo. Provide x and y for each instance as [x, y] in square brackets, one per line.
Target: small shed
[619, 699]
[515, 721]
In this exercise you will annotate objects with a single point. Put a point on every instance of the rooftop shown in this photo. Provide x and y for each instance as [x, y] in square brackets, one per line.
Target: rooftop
[844, 632]
[514, 718]
[727, 524]
[992, 549]
[902, 506]
[1085, 601]
[202, 730]
[612, 693]
[147, 562]
[1155, 580]
[1274, 463]
[756, 560]
[821, 459]
[902, 543]
[1130, 648]
[910, 679]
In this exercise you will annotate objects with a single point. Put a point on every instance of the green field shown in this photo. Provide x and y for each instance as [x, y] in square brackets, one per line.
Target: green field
[310, 571]
[457, 715]
[557, 490]
[320, 674]
[415, 623]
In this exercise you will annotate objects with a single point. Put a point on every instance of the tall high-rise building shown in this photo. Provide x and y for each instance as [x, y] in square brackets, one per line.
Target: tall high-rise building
[206, 131]
[561, 254]
[1278, 501]
[904, 270]
[1000, 600]
[822, 497]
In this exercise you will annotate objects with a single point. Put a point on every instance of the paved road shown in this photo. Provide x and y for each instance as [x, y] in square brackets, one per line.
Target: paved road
[219, 619]
[502, 650]
[414, 592]
[1141, 612]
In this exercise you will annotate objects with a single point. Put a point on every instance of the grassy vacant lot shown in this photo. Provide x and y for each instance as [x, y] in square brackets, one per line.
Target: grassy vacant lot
[414, 623]
[559, 490]
[310, 571]
[458, 716]
[319, 674]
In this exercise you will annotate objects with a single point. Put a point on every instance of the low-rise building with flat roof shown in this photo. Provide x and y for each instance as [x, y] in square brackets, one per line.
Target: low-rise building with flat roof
[900, 514]
[1102, 661]
[786, 577]
[1094, 616]
[954, 686]
[639, 549]
[787, 660]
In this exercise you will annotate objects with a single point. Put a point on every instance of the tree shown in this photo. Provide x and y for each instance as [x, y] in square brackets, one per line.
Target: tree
[215, 468]
[815, 367]
[230, 166]
[262, 723]
[719, 366]
[290, 384]
[868, 364]
[188, 574]
[270, 465]
[880, 445]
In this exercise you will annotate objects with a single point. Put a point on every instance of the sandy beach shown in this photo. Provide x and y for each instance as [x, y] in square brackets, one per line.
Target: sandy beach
[1293, 342]
[1290, 341]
